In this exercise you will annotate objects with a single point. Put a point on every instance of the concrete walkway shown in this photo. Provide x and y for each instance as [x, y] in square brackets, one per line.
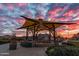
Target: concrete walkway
[4, 49]
[21, 51]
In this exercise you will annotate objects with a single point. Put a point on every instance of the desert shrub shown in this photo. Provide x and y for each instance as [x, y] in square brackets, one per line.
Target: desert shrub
[26, 44]
[63, 51]
[3, 42]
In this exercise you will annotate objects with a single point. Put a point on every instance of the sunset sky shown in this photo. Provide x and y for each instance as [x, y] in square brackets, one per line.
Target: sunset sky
[10, 14]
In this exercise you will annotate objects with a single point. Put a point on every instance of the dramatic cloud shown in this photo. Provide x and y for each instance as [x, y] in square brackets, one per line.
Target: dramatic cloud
[10, 13]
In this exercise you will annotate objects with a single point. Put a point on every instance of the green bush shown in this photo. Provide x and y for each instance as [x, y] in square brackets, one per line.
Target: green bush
[3, 42]
[63, 51]
[26, 44]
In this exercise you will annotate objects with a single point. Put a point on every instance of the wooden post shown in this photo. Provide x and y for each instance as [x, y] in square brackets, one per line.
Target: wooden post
[33, 36]
[26, 33]
[49, 36]
[37, 36]
[54, 37]
[34, 33]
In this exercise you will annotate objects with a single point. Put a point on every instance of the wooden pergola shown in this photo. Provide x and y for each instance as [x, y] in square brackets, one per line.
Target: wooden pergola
[36, 25]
